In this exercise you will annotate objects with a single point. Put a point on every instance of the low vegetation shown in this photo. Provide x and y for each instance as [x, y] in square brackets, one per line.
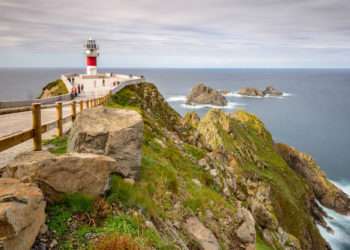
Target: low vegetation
[173, 186]
[54, 88]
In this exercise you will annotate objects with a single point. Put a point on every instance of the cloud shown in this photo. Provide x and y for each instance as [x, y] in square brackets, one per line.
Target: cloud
[255, 32]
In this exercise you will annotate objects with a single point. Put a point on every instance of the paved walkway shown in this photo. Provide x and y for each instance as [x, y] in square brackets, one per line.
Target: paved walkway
[17, 122]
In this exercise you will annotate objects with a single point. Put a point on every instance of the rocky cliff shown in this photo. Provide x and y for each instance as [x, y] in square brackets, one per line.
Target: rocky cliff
[216, 182]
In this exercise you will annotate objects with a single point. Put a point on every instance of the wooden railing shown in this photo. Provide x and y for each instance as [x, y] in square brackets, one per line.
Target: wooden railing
[38, 128]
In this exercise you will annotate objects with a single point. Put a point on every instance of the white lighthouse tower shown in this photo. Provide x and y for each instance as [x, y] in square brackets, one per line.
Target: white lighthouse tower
[91, 52]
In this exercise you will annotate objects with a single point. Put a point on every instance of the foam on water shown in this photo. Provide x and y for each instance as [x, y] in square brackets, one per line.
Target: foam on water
[236, 94]
[179, 98]
[339, 239]
[182, 99]
[230, 105]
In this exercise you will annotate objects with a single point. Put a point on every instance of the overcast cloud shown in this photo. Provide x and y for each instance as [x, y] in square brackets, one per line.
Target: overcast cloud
[178, 33]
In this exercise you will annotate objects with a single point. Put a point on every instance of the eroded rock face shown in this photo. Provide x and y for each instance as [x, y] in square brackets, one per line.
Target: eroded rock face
[221, 167]
[254, 92]
[71, 173]
[22, 213]
[326, 192]
[202, 94]
[202, 235]
[250, 92]
[270, 90]
[117, 133]
[191, 119]
[246, 231]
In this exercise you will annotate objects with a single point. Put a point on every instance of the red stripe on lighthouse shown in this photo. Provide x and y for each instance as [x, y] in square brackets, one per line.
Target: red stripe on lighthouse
[91, 61]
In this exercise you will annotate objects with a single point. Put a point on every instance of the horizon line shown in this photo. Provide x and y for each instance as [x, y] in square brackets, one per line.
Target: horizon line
[165, 67]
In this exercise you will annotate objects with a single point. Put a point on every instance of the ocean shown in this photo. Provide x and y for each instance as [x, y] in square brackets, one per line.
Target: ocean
[313, 115]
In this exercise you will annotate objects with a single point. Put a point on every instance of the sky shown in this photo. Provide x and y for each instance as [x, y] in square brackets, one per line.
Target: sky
[177, 33]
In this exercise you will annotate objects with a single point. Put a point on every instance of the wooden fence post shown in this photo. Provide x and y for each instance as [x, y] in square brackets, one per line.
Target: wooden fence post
[36, 115]
[109, 95]
[74, 111]
[81, 105]
[59, 118]
[91, 103]
[87, 104]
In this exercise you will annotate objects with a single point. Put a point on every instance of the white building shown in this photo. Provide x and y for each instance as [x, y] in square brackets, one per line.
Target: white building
[93, 83]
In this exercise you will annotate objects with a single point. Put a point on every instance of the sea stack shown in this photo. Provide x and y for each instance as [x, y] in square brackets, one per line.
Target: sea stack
[202, 94]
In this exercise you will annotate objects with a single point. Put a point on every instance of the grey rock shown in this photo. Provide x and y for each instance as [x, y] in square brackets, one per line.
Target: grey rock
[22, 213]
[246, 231]
[202, 94]
[84, 173]
[202, 235]
[117, 133]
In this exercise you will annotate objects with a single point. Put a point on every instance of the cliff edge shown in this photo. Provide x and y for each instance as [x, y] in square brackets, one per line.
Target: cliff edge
[216, 182]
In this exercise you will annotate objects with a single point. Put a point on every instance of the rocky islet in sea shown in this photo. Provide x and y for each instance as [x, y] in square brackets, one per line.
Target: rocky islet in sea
[268, 91]
[202, 94]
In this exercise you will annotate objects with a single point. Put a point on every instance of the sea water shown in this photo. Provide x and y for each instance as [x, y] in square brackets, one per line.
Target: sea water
[313, 115]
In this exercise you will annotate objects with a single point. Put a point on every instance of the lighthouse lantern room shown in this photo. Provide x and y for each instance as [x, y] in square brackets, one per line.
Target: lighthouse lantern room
[91, 52]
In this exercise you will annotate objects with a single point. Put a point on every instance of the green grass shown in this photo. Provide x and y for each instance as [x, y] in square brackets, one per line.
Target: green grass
[60, 212]
[131, 196]
[134, 227]
[58, 145]
[261, 244]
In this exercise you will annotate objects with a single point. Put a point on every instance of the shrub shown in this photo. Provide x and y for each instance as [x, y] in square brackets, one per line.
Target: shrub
[116, 242]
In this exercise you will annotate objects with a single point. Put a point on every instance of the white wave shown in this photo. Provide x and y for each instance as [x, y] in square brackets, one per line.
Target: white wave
[343, 185]
[230, 105]
[177, 98]
[340, 224]
[236, 94]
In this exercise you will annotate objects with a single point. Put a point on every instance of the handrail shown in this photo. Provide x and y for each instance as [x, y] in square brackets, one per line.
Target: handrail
[38, 128]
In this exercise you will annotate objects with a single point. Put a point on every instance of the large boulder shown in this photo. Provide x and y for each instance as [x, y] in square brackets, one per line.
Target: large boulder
[250, 92]
[246, 231]
[325, 191]
[117, 133]
[200, 234]
[71, 173]
[202, 94]
[22, 213]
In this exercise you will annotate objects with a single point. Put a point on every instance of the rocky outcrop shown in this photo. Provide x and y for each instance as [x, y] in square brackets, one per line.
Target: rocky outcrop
[88, 174]
[117, 133]
[54, 88]
[202, 94]
[270, 90]
[250, 92]
[200, 234]
[222, 169]
[22, 214]
[254, 92]
[191, 119]
[246, 230]
[280, 239]
[326, 192]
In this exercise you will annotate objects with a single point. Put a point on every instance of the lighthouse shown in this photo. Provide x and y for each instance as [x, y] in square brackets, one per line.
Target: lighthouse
[91, 52]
